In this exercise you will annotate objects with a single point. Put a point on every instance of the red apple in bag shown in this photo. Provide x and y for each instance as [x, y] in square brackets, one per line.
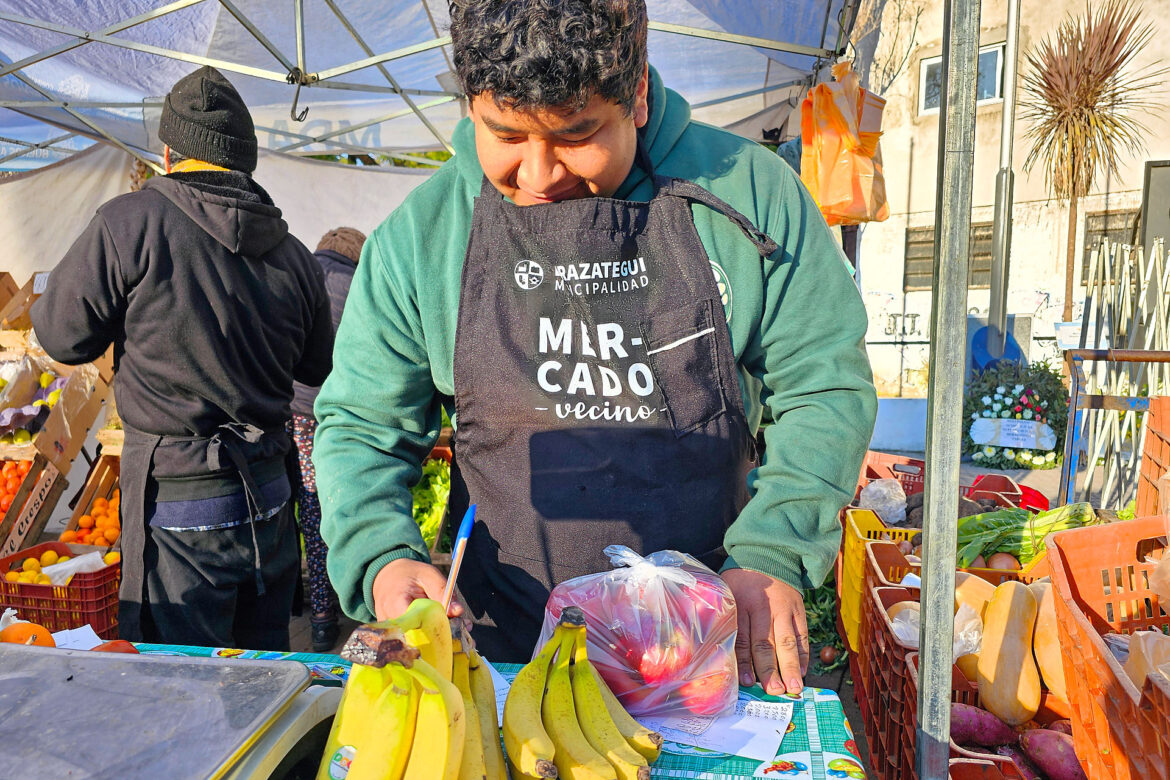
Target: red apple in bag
[666, 662]
[712, 689]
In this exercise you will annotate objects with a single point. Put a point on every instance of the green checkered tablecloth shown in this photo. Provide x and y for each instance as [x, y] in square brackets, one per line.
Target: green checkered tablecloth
[817, 746]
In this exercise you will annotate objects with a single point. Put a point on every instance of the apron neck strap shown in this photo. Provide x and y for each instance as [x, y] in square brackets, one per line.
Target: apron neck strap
[693, 192]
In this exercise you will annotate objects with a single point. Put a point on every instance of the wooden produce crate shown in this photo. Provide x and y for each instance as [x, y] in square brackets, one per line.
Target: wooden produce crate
[8, 288]
[15, 322]
[99, 496]
[35, 500]
[63, 433]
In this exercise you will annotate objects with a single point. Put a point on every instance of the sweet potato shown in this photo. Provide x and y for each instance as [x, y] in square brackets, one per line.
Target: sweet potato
[1063, 726]
[973, 726]
[1025, 767]
[1052, 752]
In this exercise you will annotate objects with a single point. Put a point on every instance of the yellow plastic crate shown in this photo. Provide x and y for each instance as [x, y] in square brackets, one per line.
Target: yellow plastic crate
[861, 526]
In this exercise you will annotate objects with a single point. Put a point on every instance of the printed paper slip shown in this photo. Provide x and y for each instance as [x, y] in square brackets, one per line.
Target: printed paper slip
[755, 730]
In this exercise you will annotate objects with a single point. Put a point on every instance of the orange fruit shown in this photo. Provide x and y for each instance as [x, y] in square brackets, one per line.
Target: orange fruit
[11, 576]
[111, 535]
[27, 634]
[68, 536]
[24, 467]
[85, 521]
[31, 564]
[100, 503]
[101, 521]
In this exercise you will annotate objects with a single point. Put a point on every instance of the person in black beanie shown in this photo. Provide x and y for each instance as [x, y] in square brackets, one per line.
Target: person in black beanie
[213, 309]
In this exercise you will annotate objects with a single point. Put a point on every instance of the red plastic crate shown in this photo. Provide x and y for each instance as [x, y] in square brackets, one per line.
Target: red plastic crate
[965, 692]
[911, 473]
[89, 598]
[881, 660]
[1101, 578]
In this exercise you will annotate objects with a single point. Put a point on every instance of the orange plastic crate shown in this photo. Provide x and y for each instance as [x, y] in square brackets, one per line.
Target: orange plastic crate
[881, 662]
[1101, 579]
[1155, 456]
[965, 692]
[89, 598]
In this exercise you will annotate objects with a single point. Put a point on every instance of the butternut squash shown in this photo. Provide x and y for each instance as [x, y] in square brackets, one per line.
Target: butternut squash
[1009, 682]
[1046, 641]
[967, 665]
[972, 590]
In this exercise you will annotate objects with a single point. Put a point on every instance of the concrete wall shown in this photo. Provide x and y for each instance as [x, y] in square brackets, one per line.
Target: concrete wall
[900, 321]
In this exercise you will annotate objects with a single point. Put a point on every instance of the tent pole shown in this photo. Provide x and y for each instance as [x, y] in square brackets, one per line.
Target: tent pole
[360, 125]
[32, 85]
[81, 41]
[299, 21]
[1001, 233]
[233, 67]
[744, 40]
[386, 73]
[255, 31]
[349, 148]
[34, 147]
[369, 62]
[749, 93]
[76, 104]
[945, 405]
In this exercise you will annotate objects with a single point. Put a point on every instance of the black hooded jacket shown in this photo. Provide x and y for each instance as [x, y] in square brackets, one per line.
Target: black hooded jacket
[213, 308]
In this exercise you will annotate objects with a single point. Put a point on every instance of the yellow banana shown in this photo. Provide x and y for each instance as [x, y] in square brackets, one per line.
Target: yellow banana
[425, 626]
[574, 757]
[483, 691]
[596, 723]
[439, 729]
[383, 756]
[648, 743]
[529, 748]
[355, 716]
[472, 766]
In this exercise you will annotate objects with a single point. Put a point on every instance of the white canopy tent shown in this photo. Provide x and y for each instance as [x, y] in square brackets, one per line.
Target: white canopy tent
[375, 75]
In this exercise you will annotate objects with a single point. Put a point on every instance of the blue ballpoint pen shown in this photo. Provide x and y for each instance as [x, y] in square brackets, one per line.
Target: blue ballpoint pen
[457, 554]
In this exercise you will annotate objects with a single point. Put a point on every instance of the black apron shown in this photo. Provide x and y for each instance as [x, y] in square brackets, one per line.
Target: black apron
[230, 447]
[596, 395]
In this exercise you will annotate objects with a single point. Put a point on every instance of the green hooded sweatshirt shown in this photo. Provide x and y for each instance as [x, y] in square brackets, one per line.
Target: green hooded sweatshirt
[797, 330]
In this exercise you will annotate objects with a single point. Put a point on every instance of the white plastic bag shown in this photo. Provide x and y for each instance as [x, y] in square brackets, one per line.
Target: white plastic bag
[887, 499]
[660, 630]
[968, 630]
[59, 573]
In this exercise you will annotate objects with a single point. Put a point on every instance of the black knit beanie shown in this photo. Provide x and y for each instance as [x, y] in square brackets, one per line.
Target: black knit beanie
[204, 118]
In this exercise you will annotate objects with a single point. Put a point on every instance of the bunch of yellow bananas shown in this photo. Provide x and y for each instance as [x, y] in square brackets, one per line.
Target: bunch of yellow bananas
[418, 705]
[561, 719]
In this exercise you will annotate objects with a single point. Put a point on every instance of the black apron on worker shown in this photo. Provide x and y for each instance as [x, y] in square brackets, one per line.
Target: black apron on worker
[272, 557]
[596, 394]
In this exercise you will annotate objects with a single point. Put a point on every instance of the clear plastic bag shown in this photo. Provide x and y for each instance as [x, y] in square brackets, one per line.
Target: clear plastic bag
[887, 498]
[1147, 651]
[968, 637]
[660, 630]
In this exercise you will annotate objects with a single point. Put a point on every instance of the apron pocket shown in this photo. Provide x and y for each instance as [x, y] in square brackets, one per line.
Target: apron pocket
[684, 357]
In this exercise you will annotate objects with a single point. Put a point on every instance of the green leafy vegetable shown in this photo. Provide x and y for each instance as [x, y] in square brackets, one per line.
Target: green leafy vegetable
[430, 498]
[1016, 531]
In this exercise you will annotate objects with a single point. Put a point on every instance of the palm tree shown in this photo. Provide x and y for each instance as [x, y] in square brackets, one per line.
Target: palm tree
[1080, 94]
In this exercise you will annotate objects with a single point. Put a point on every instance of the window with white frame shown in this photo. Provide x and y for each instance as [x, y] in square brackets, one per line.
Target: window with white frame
[989, 85]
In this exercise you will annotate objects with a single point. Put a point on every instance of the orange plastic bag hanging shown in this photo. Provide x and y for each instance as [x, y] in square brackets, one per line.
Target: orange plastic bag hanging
[841, 164]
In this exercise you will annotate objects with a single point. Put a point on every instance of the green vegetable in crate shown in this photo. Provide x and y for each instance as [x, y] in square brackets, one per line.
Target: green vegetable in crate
[1016, 531]
[430, 498]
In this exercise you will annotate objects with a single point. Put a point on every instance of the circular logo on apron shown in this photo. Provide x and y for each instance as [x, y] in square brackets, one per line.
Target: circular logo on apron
[724, 285]
[529, 275]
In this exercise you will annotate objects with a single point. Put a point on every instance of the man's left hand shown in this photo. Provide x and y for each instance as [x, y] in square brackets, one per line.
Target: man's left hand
[771, 645]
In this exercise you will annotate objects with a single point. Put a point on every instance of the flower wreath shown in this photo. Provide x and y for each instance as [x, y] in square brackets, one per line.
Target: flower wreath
[1023, 392]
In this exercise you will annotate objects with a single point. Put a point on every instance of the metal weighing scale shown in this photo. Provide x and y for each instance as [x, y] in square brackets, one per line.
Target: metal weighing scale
[76, 714]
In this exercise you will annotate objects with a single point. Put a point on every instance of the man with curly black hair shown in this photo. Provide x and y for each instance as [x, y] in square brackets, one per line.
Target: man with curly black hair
[606, 296]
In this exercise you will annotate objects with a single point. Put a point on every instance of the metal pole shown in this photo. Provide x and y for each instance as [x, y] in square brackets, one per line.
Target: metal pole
[1001, 235]
[744, 40]
[945, 406]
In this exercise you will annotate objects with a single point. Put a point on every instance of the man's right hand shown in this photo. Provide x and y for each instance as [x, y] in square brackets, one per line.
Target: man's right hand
[402, 581]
